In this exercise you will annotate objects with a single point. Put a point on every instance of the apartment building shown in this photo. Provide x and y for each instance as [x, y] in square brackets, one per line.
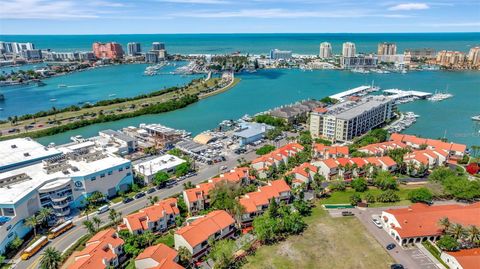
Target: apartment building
[348, 168]
[346, 120]
[274, 158]
[303, 174]
[321, 151]
[381, 149]
[158, 257]
[455, 150]
[110, 50]
[156, 218]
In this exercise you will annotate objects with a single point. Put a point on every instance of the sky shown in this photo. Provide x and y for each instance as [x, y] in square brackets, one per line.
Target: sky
[236, 16]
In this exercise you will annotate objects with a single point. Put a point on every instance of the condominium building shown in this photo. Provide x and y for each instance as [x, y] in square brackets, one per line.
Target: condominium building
[279, 156]
[110, 50]
[359, 61]
[324, 152]
[158, 46]
[32, 54]
[348, 168]
[450, 58]
[151, 57]
[216, 225]
[386, 48]
[474, 56]
[156, 218]
[15, 47]
[34, 177]
[134, 48]
[348, 49]
[325, 50]
[347, 120]
[158, 257]
[455, 150]
[280, 54]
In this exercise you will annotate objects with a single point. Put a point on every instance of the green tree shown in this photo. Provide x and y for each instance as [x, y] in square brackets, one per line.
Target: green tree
[457, 231]
[15, 243]
[388, 196]
[148, 238]
[182, 169]
[222, 252]
[420, 195]
[153, 199]
[44, 215]
[114, 216]
[32, 222]
[89, 226]
[265, 228]
[441, 173]
[370, 198]
[265, 149]
[184, 256]
[385, 181]
[355, 199]
[97, 222]
[445, 223]
[51, 258]
[359, 184]
[302, 207]
[473, 234]
[448, 243]
[161, 178]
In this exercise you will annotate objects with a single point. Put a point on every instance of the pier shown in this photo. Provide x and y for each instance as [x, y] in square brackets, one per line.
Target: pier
[358, 91]
[397, 94]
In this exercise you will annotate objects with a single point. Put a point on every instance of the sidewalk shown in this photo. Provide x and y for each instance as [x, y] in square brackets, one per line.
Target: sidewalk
[430, 256]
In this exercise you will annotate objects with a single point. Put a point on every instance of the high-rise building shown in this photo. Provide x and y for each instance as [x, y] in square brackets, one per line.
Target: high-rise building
[110, 50]
[158, 46]
[151, 57]
[450, 58]
[133, 48]
[474, 56]
[348, 49]
[32, 54]
[386, 48]
[325, 50]
[359, 61]
[415, 54]
[347, 120]
[280, 54]
[15, 47]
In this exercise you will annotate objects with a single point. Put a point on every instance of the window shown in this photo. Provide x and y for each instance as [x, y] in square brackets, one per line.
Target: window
[8, 212]
[120, 169]
[129, 174]
[110, 173]
[127, 167]
[102, 175]
[93, 178]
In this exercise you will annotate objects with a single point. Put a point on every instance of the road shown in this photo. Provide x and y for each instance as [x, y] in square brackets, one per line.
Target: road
[67, 239]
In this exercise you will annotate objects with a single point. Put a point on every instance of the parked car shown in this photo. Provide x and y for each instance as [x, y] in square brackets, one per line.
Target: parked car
[347, 213]
[139, 195]
[103, 209]
[151, 190]
[377, 223]
[396, 266]
[391, 246]
[127, 200]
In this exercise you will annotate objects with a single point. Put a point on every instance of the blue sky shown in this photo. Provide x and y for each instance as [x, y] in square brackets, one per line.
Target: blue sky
[236, 16]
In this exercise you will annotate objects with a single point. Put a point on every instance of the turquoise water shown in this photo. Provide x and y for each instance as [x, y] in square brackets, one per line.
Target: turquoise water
[255, 43]
[87, 86]
[270, 88]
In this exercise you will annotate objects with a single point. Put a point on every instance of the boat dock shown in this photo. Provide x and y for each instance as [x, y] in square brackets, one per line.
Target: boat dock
[401, 94]
[358, 91]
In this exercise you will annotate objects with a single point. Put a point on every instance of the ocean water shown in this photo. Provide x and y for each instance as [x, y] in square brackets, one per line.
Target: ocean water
[87, 86]
[267, 89]
[255, 43]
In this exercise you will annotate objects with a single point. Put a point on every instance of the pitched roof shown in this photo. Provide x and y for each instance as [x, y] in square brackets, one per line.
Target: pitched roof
[262, 196]
[438, 144]
[378, 148]
[201, 229]
[96, 249]
[468, 258]
[199, 192]
[302, 169]
[422, 220]
[333, 150]
[236, 175]
[278, 154]
[139, 220]
[162, 254]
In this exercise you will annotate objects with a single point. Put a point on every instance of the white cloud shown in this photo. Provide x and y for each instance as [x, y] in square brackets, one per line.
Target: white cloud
[453, 24]
[196, 1]
[410, 6]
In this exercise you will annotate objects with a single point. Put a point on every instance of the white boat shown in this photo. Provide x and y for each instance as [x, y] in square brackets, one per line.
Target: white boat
[53, 100]
[111, 95]
[477, 118]
[62, 85]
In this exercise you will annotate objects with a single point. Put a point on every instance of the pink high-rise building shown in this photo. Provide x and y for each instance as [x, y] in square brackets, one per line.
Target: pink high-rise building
[110, 50]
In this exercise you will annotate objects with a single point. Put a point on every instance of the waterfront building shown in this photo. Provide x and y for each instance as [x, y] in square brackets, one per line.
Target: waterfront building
[360, 61]
[86, 56]
[32, 54]
[348, 49]
[381, 149]
[397, 59]
[297, 111]
[197, 235]
[276, 54]
[429, 158]
[158, 257]
[474, 56]
[103, 250]
[462, 259]
[323, 152]
[134, 48]
[165, 163]
[15, 47]
[303, 174]
[156, 218]
[151, 57]
[455, 150]
[255, 203]
[251, 132]
[420, 222]
[34, 177]
[124, 144]
[158, 46]
[347, 120]
[348, 168]
[450, 58]
[418, 54]
[325, 50]
[386, 48]
[112, 50]
[281, 155]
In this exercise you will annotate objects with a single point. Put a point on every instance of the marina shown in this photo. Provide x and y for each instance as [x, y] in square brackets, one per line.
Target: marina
[358, 91]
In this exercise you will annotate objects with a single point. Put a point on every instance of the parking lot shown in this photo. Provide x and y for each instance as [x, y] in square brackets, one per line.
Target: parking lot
[421, 259]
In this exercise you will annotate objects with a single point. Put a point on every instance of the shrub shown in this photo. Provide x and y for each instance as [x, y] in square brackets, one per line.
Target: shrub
[359, 184]
[388, 196]
[420, 195]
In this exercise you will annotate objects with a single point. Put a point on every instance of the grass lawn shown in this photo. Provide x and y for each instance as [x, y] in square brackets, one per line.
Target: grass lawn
[326, 243]
[166, 239]
[343, 197]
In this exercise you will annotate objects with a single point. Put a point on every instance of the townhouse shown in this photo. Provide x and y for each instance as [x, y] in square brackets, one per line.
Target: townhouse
[275, 158]
[103, 250]
[462, 259]
[239, 175]
[420, 222]
[303, 174]
[348, 168]
[429, 158]
[156, 218]
[255, 203]
[158, 257]
[382, 149]
[323, 152]
[216, 225]
[455, 151]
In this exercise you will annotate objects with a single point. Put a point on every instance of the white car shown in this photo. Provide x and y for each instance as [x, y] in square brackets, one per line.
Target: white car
[377, 223]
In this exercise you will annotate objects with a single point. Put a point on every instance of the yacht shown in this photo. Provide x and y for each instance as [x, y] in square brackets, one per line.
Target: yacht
[53, 100]
[477, 117]
[62, 85]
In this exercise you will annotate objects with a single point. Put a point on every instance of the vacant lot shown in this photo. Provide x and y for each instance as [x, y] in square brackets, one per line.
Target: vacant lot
[326, 243]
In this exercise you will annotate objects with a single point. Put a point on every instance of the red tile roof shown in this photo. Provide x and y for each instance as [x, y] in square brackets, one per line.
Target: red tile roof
[96, 249]
[422, 220]
[235, 176]
[437, 144]
[379, 148]
[163, 255]
[331, 150]
[303, 168]
[278, 154]
[199, 192]
[468, 258]
[320, 109]
[252, 200]
[139, 220]
[201, 229]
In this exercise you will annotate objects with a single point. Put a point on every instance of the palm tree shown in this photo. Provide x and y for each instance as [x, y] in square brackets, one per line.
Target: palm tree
[44, 214]
[445, 223]
[113, 215]
[97, 222]
[184, 256]
[457, 231]
[153, 199]
[51, 259]
[90, 226]
[32, 222]
[473, 234]
[149, 238]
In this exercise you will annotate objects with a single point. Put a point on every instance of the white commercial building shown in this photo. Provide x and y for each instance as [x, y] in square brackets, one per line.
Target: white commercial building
[325, 50]
[60, 179]
[165, 163]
